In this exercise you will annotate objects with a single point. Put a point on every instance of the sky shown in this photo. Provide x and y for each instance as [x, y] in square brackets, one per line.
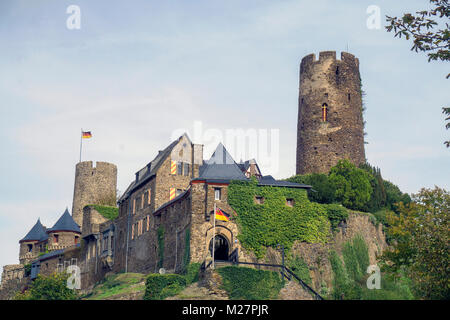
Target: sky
[137, 73]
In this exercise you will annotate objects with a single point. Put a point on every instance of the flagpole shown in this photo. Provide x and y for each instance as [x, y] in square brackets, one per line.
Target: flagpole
[81, 142]
[214, 235]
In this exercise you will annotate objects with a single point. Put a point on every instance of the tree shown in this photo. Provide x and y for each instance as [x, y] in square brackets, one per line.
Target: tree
[420, 27]
[446, 111]
[52, 287]
[421, 246]
[352, 185]
[323, 190]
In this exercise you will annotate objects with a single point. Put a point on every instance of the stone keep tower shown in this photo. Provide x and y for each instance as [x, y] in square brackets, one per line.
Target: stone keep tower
[93, 185]
[330, 123]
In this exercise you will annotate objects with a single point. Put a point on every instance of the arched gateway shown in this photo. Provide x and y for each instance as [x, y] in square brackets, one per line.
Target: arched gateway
[221, 247]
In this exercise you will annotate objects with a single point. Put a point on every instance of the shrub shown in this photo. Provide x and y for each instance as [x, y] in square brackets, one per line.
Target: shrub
[191, 273]
[336, 213]
[322, 189]
[300, 268]
[250, 284]
[52, 287]
[160, 286]
[352, 185]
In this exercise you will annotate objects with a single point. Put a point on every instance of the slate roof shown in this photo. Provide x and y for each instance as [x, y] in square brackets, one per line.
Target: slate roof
[150, 169]
[221, 167]
[37, 233]
[270, 181]
[65, 223]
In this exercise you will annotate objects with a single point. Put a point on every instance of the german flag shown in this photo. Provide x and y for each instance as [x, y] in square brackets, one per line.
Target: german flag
[86, 135]
[222, 216]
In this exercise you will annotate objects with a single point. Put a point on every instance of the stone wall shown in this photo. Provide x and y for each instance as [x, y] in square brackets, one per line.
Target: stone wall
[336, 83]
[65, 239]
[142, 252]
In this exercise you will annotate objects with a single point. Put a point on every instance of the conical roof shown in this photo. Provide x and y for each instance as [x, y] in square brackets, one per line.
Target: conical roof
[65, 223]
[37, 233]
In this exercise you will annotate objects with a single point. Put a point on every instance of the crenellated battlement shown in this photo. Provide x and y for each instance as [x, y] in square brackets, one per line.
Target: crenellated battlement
[311, 59]
[90, 165]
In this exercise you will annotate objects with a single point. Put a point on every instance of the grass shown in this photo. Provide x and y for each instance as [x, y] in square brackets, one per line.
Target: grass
[118, 284]
[108, 212]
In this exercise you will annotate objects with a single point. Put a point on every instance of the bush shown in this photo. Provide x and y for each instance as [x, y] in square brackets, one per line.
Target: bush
[352, 185]
[52, 287]
[336, 213]
[250, 284]
[322, 189]
[300, 269]
[191, 273]
[349, 282]
[161, 286]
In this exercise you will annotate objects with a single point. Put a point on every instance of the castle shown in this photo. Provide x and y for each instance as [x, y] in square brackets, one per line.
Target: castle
[165, 216]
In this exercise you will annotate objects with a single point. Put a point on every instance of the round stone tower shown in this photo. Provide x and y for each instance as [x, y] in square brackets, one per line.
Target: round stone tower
[330, 123]
[93, 185]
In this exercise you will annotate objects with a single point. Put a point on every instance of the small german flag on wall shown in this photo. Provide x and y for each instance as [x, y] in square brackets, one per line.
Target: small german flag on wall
[222, 216]
[86, 134]
[173, 167]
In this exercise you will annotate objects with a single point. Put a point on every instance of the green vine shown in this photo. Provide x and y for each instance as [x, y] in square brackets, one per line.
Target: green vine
[161, 246]
[187, 248]
[274, 222]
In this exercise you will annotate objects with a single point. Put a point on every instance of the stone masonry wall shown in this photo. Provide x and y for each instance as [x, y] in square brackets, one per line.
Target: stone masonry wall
[320, 144]
[93, 185]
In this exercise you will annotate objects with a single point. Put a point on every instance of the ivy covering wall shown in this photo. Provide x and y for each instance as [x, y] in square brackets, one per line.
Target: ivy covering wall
[274, 222]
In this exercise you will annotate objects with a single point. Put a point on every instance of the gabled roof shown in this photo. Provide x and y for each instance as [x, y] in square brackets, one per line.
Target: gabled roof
[270, 181]
[65, 223]
[37, 233]
[221, 167]
[150, 169]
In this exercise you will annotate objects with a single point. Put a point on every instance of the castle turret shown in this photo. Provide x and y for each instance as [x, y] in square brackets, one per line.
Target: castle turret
[29, 245]
[330, 122]
[64, 233]
[93, 185]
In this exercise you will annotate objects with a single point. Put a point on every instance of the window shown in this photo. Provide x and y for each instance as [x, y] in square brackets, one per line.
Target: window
[290, 202]
[142, 201]
[55, 238]
[132, 231]
[186, 169]
[324, 112]
[148, 196]
[259, 200]
[30, 247]
[76, 239]
[148, 222]
[134, 206]
[179, 168]
[217, 193]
